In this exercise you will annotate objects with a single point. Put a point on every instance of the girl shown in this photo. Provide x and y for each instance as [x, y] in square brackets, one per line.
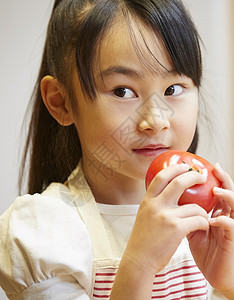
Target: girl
[118, 85]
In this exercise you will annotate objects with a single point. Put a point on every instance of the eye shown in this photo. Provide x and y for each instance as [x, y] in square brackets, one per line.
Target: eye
[123, 92]
[174, 90]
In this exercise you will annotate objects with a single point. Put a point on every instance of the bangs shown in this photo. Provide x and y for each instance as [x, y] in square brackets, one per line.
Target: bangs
[167, 19]
[172, 22]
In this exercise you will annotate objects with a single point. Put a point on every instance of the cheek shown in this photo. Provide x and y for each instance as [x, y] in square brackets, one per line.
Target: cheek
[186, 111]
[184, 124]
[97, 130]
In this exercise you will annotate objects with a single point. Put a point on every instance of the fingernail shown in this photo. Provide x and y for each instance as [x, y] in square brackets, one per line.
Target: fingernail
[218, 190]
[185, 167]
[212, 220]
[204, 175]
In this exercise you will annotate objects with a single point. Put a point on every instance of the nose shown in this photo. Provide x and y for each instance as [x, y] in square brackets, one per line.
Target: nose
[152, 124]
[154, 116]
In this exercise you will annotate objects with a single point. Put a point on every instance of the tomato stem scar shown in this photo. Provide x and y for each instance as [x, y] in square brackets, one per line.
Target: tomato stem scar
[191, 168]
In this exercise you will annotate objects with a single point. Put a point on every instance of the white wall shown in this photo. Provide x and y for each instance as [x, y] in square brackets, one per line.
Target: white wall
[214, 22]
[22, 30]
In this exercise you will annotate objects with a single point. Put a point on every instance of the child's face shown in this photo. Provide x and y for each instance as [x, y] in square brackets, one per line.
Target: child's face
[137, 108]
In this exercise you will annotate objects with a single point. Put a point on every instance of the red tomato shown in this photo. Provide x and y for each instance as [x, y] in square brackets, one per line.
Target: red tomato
[200, 194]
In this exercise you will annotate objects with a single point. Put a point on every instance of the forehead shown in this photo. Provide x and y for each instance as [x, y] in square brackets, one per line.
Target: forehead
[133, 43]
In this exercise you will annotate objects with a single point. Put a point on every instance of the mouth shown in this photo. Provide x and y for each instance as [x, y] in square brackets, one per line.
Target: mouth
[151, 150]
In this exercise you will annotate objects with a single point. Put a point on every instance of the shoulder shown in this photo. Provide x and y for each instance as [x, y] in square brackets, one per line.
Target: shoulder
[43, 236]
[45, 214]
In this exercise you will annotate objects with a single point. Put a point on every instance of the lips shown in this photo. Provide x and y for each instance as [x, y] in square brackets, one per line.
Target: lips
[151, 150]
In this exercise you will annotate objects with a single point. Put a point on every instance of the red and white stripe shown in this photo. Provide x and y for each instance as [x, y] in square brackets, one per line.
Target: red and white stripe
[104, 279]
[181, 281]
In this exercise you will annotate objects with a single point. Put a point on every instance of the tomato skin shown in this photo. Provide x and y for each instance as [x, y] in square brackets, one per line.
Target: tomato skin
[201, 194]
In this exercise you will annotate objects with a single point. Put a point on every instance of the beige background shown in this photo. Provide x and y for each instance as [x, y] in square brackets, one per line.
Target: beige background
[214, 21]
[22, 31]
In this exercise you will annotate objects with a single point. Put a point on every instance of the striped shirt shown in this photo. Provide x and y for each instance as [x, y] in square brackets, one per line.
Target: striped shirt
[180, 281]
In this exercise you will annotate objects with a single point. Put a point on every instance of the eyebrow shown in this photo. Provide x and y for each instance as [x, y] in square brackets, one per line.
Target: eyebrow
[133, 73]
[121, 70]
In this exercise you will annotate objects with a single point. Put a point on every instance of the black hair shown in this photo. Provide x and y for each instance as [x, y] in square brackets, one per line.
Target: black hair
[75, 29]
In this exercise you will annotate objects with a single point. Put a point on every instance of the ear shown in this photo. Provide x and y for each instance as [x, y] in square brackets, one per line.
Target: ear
[56, 101]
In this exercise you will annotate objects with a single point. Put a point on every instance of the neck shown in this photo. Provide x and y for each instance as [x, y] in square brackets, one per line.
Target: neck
[109, 187]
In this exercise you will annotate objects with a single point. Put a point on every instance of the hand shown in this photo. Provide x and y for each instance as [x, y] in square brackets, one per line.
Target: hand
[159, 228]
[213, 250]
[161, 224]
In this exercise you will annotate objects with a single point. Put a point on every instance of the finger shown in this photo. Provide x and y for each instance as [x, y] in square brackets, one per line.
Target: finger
[194, 223]
[161, 180]
[227, 224]
[225, 195]
[190, 210]
[226, 180]
[178, 185]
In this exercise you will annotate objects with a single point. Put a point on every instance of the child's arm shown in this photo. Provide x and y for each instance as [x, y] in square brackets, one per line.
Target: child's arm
[214, 252]
[159, 228]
